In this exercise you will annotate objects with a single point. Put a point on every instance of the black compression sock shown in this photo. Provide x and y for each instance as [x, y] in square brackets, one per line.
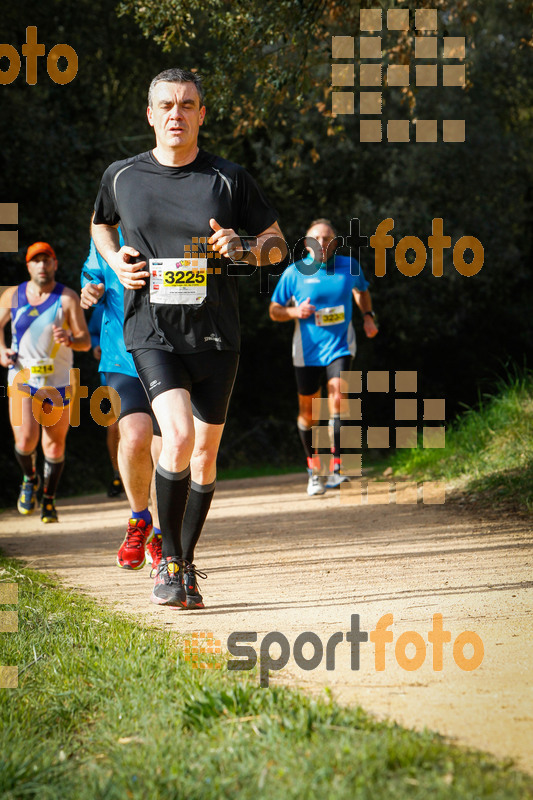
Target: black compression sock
[27, 463]
[336, 450]
[197, 508]
[306, 436]
[52, 474]
[172, 489]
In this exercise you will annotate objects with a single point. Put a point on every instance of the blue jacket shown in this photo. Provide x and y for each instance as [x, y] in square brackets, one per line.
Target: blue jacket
[95, 323]
[115, 357]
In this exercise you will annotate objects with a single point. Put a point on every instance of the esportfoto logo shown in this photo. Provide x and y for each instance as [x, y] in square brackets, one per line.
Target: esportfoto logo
[409, 652]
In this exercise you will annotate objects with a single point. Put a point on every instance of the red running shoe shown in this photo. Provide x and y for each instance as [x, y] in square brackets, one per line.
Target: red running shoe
[131, 553]
[154, 552]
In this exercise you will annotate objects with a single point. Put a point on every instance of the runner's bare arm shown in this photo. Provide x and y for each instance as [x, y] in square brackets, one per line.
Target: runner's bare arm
[269, 246]
[6, 300]
[122, 260]
[80, 338]
[364, 303]
[281, 313]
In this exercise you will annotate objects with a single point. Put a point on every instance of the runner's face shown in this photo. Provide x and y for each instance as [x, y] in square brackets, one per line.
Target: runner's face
[42, 269]
[176, 114]
[325, 236]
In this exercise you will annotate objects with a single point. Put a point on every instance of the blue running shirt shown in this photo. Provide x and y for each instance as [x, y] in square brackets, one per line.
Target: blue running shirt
[328, 334]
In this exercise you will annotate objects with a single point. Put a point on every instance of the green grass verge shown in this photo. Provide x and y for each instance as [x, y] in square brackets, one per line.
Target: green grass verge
[258, 471]
[489, 449]
[108, 709]
[373, 461]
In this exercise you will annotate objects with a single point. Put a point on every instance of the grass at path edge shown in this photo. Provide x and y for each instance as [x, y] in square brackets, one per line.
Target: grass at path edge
[107, 708]
[489, 449]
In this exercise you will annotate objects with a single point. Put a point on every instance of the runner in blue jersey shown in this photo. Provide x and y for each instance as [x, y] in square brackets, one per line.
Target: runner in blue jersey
[47, 324]
[137, 424]
[316, 293]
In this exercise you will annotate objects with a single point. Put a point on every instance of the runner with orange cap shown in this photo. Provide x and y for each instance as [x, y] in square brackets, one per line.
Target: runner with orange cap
[47, 324]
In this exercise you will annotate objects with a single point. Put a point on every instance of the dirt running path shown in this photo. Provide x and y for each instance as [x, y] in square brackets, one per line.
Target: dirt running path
[280, 561]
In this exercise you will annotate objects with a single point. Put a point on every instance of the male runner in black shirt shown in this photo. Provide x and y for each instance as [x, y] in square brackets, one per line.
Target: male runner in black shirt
[180, 208]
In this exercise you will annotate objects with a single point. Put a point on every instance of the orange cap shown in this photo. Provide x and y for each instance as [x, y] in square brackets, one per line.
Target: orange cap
[39, 247]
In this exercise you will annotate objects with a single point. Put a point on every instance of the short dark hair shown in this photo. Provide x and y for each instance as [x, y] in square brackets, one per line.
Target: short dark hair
[322, 221]
[176, 75]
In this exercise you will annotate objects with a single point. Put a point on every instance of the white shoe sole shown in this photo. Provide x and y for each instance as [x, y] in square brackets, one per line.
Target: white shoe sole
[315, 490]
[334, 481]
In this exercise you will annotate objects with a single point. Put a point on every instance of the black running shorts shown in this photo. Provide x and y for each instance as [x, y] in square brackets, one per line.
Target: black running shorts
[309, 379]
[208, 376]
[133, 398]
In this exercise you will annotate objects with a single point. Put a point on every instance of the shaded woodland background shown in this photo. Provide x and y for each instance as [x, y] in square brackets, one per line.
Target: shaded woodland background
[267, 73]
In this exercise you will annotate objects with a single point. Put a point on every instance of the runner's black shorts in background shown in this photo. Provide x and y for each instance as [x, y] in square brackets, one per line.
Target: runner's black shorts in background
[309, 379]
[208, 376]
[133, 398]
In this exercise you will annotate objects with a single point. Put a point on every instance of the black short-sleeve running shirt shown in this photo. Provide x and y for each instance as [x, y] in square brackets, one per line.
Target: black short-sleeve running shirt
[162, 210]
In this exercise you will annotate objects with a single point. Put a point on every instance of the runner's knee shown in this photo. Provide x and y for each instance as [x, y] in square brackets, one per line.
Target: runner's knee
[53, 450]
[135, 438]
[25, 445]
[203, 460]
[304, 421]
[305, 411]
[177, 443]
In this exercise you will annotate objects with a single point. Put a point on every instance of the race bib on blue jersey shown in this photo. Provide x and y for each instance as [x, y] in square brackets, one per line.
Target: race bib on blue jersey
[329, 316]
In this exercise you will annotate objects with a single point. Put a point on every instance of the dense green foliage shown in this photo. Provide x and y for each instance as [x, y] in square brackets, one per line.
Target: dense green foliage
[267, 70]
[124, 715]
[488, 450]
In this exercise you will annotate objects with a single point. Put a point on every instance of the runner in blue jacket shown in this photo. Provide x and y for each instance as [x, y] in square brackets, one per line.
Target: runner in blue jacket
[140, 437]
[115, 488]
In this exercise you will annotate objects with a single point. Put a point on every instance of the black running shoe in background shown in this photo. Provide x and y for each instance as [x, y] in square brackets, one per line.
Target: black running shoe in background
[48, 509]
[115, 487]
[193, 597]
[28, 495]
